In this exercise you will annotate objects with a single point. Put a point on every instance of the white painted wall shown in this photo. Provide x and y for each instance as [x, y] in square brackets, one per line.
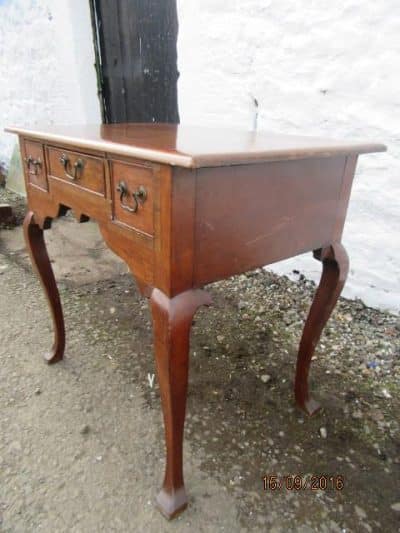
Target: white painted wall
[47, 72]
[316, 67]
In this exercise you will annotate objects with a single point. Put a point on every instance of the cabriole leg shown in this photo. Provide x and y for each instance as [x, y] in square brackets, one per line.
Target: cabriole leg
[37, 249]
[172, 320]
[335, 268]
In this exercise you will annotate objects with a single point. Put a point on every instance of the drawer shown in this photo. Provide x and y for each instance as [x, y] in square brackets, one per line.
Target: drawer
[34, 164]
[132, 186]
[84, 171]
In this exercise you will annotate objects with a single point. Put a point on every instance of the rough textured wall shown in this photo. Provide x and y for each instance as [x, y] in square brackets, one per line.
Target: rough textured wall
[46, 65]
[317, 68]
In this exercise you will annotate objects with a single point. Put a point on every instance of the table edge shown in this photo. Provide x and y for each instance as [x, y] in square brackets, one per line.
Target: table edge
[204, 160]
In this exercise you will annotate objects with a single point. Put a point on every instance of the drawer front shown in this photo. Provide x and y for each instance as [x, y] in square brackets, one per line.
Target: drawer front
[84, 171]
[132, 186]
[34, 164]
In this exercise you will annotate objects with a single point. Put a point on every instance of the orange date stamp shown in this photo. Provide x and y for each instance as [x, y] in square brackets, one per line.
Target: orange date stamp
[297, 482]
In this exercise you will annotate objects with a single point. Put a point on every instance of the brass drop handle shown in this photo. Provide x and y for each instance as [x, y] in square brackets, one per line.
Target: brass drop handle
[36, 163]
[139, 196]
[78, 165]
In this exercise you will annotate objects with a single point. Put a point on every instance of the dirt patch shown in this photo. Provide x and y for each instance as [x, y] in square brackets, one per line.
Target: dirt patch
[18, 205]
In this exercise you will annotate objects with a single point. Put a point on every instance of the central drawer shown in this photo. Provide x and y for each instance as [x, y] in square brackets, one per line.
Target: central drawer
[84, 171]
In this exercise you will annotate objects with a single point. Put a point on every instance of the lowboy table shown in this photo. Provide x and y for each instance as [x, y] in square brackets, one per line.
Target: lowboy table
[185, 206]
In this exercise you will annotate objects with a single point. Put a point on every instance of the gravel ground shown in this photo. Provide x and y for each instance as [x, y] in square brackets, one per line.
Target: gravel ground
[81, 442]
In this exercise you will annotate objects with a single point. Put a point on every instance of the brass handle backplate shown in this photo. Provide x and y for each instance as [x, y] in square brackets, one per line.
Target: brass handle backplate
[32, 162]
[78, 165]
[139, 197]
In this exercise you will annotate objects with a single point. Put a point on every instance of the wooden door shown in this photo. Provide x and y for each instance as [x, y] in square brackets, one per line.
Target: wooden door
[136, 59]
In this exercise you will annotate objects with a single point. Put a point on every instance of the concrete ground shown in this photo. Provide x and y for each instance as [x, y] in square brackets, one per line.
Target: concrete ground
[81, 442]
[81, 451]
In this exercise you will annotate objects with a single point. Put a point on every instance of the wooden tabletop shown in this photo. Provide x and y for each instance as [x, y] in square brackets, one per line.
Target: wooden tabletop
[192, 146]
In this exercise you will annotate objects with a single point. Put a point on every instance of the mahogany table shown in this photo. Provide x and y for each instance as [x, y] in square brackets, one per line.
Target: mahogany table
[186, 206]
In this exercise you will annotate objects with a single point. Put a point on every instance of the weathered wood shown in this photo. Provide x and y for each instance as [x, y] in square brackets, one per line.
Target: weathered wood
[137, 45]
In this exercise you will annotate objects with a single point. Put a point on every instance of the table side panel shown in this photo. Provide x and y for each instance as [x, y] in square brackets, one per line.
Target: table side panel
[183, 229]
[252, 215]
[174, 229]
[347, 182]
